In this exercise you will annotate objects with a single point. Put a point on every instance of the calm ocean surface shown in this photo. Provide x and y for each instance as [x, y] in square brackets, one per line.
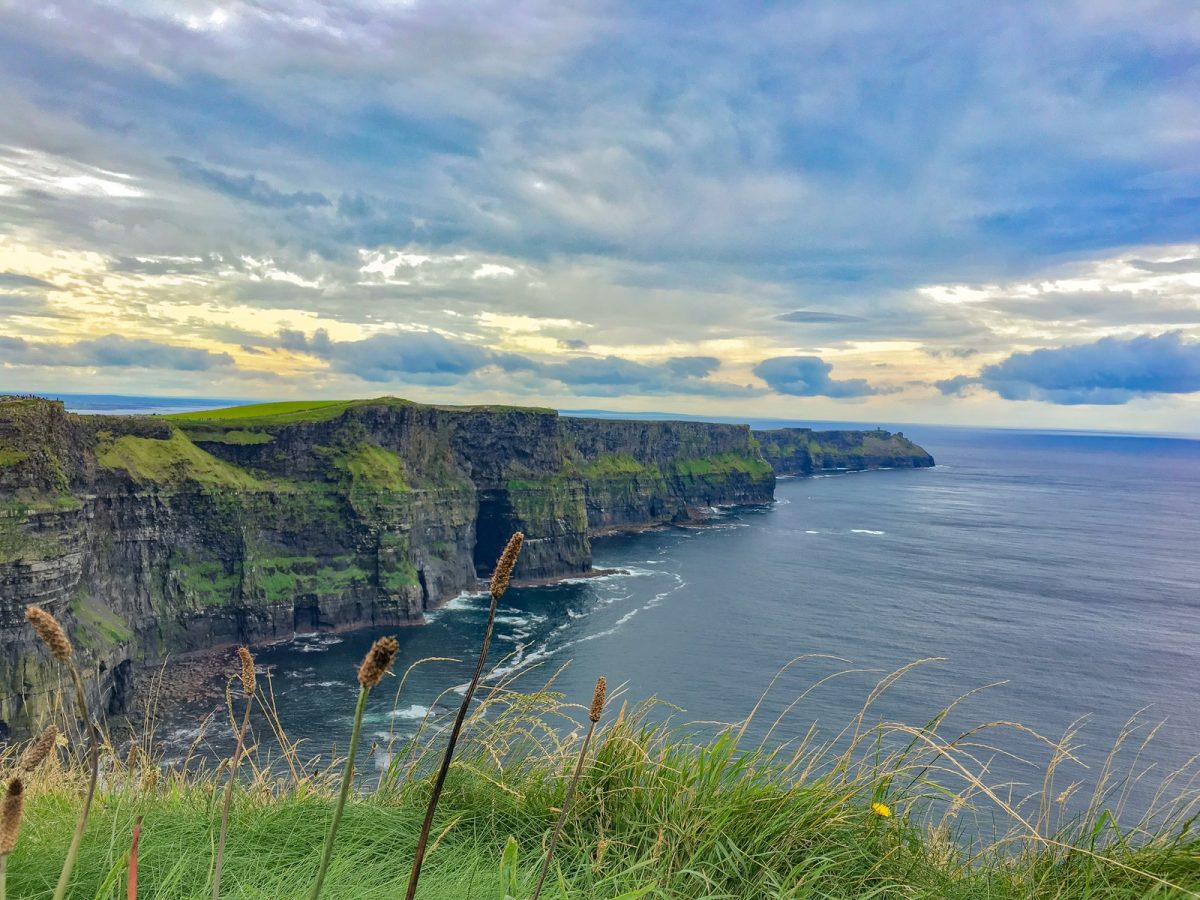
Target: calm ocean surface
[1065, 566]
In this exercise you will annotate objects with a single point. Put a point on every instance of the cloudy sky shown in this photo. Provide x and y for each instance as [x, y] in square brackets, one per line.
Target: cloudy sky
[944, 212]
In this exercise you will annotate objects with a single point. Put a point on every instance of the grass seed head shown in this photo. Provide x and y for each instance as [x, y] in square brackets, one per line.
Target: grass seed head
[505, 565]
[10, 817]
[247, 671]
[50, 632]
[37, 752]
[377, 661]
[598, 699]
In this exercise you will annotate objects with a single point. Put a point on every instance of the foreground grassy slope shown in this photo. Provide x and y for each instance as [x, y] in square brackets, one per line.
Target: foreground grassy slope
[654, 813]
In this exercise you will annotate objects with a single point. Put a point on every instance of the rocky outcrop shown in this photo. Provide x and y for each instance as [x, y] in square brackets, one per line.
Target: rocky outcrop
[802, 451]
[147, 536]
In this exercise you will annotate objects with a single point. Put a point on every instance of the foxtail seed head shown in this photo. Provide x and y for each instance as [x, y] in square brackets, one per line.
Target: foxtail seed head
[505, 565]
[377, 661]
[598, 699]
[37, 752]
[10, 817]
[247, 671]
[50, 632]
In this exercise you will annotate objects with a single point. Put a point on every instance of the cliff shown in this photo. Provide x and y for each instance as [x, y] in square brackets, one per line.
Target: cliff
[155, 535]
[802, 451]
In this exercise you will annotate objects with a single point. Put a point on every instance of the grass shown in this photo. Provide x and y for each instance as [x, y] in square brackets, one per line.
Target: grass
[173, 461]
[99, 627]
[368, 466]
[710, 817]
[723, 464]
[237, 436]
[279, 412]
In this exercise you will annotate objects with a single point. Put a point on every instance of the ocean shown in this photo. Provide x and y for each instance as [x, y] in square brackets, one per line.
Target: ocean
[1058, 572]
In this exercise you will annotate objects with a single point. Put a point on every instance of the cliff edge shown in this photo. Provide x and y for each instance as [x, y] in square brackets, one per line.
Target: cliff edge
[150, 535]
[802, 451]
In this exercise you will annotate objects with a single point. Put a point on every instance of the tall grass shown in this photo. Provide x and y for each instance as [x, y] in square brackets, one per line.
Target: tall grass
[636, 806]
[653, 811]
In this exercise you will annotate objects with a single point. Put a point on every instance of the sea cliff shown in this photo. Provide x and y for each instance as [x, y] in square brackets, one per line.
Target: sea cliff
[153, 535]
[802, 451]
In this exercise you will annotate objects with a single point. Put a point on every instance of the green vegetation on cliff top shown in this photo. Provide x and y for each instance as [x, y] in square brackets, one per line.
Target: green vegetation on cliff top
[270, 413]
[287, 412]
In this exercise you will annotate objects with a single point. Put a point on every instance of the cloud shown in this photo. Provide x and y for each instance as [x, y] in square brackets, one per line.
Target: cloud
[17, 281]
[185, 175]
[248, 187]
[808, 376]
[428, 358]
[812, 316]
[24, 305]
[111, 351]
[693, 366]
[612, 376]
[1111, 371]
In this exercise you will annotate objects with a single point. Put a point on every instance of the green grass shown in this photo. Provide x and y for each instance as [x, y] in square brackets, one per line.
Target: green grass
[676, 816]
[236, 436]
[10, 457]
[369, 466]
[281, 411]
[99, 627]
[723, 464]
[615, 465]
[174, 461]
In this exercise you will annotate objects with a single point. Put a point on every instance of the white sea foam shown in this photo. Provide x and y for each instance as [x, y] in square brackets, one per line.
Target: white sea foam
[811, 531]
[416, 711]
[865, 531]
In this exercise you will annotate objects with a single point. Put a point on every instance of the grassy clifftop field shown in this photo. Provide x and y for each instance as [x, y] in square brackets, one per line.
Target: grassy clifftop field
[891, 811]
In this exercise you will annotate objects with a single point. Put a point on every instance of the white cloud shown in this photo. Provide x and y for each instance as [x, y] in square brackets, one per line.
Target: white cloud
[24, 169]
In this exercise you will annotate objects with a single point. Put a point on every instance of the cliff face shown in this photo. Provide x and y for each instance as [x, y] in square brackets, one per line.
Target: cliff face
[147, 536]
[802, 451]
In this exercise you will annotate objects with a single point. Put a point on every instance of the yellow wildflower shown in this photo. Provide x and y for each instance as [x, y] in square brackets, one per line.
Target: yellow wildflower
[881, 809]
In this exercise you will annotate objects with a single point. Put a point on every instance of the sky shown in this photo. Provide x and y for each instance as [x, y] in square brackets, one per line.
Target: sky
[927, 211]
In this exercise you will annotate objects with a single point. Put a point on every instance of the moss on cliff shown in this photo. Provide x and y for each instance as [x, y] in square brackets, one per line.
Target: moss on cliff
[17, 543]
[277, 580]
[10, 457]
[723, 464]
[98, 628]
[613, 465]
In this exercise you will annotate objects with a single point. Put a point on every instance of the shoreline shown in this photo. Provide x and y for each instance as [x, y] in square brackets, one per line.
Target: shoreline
[194, 678]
